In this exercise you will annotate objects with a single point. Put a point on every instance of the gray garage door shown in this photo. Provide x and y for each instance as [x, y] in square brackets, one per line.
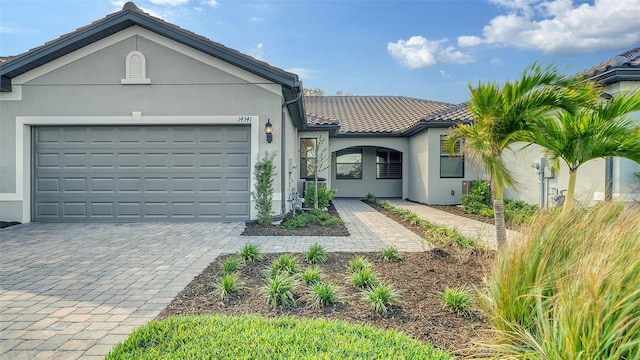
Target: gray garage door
[136, 173]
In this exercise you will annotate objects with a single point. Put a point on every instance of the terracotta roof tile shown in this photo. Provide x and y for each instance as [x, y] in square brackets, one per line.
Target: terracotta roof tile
[628, 59]
[376, 114]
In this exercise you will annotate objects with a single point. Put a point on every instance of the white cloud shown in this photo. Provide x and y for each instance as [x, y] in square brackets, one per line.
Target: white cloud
[169, 2]
[419, 52]
[466, 41]
[258, 51]
[445, 74]
[303, 73]
[255, 19]
[6, 30]
[496, 62]
[560, 27]
[213, 3]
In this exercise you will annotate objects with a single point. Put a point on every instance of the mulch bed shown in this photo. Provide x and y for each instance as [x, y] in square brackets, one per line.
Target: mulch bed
[255, 229]
[420, 278]
[456, 210]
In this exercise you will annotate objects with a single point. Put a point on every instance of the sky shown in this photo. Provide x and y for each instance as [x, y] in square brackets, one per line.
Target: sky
[427, 49]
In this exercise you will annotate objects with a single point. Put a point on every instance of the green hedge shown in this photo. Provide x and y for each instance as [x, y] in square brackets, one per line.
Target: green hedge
[255, 337]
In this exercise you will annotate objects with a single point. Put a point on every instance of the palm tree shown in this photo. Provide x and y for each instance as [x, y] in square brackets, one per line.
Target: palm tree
[592, 132]
[503, 115]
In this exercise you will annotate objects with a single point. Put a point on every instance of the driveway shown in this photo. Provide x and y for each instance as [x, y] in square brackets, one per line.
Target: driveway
[71, 291]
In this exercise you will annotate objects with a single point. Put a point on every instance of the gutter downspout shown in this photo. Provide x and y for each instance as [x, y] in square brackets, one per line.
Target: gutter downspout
[283, 185]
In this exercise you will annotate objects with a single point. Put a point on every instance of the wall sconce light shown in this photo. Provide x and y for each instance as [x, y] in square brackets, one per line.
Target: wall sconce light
[268, 129]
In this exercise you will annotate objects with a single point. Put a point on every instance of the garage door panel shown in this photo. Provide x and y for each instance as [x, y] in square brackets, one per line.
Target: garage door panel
[141, 173]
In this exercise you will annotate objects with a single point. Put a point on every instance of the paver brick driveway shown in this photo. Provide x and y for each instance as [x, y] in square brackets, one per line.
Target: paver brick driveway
[75, 290]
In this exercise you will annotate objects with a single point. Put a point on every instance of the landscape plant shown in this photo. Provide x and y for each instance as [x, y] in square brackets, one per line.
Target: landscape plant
[323, 294]
[264, 173]
[314, 216]
[279, 290]
[228, 284]
[323, 195]
[478, 198]
[359, 263]
[256, 337]
[459, 299]
[391, 254]
[364, 278]
[231, 265]
[311, 276]
[569, 288]
[502, 115]
[316, 254]
[250, 252]
[381, 296]
[285, 264]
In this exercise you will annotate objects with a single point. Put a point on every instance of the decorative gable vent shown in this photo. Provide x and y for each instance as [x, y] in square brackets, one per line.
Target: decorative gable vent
[136, 69]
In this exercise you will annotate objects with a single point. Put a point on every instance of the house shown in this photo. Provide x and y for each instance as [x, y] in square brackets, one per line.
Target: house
[131, 118]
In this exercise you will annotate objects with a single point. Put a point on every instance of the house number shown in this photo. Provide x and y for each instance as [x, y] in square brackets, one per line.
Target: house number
[244, 119]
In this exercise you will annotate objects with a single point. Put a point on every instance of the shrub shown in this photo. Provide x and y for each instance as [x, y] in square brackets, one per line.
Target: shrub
[314, 216]
[391, 254]
[364, 278]
[486, 212]
[324, 195]
[231, 265]
[264, 173]
[284, 264]
[256, 337]
[478, 198]
[569, 288]
[458, 299]
[228, 283]
[279, 290]
[312, 275]
[519, 212]
[316, 254]
[324, 294]
[250, 252]
[381, 296]
[359, 263]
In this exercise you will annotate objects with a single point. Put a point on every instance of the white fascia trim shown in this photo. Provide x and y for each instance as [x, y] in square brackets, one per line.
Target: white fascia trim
[159, 39]
[24, 146]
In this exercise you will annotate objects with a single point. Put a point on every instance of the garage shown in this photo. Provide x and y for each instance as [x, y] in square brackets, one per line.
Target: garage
[141, 173]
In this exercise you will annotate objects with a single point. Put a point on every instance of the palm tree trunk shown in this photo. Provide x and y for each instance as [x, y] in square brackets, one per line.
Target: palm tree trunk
[498, 212]
[571, 189]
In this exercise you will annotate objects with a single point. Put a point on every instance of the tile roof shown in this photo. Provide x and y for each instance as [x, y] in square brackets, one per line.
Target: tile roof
[625, 66]
[379, 114]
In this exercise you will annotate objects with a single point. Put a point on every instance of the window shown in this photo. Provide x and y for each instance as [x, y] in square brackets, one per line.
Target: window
[389, 164]
[307, 157]
[349, 164]
[451, 166]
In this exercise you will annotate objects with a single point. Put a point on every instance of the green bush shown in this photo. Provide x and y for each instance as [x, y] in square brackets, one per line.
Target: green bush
[314, 216]
[264, 173]
[519, 212]
[255, 337]
[325, 195]
[279, 290]
[316, 254]
[250, 253]
[458, 299]
[569, 288]
[231, 265]
[478, 198]
[324, 294]
[381, 296]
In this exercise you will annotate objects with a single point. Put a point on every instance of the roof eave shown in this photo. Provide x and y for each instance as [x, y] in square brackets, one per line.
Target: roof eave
[425, 124]
[369, 134]
[616, 75]
[333, 129]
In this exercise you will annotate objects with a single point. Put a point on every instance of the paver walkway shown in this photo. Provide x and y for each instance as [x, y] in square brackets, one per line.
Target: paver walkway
[472, 228]
[71, 291]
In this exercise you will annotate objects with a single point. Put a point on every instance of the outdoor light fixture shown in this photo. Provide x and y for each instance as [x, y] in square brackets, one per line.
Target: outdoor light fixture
[268, 129]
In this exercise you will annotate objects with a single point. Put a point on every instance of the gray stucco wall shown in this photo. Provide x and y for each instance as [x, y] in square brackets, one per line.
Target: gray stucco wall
[180, 86]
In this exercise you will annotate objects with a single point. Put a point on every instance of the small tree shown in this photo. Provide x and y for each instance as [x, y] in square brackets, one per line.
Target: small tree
[263, 195]
[316, 165]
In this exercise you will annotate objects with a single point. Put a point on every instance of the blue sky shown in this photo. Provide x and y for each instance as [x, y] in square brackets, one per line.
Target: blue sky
[429, 49]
